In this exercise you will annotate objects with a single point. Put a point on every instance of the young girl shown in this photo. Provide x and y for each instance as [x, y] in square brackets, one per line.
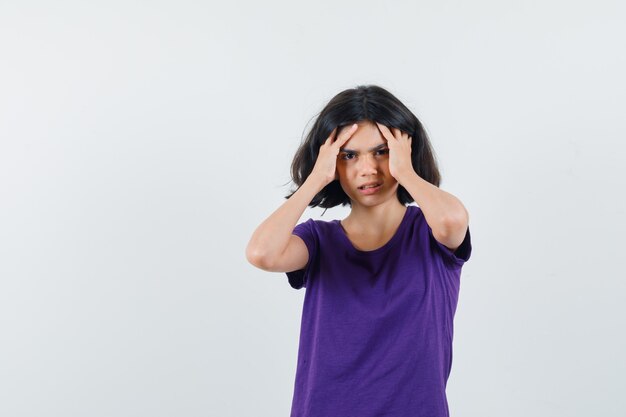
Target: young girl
[382, 284]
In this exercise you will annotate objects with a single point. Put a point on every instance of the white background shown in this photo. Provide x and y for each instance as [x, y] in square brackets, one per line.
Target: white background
[141, 143]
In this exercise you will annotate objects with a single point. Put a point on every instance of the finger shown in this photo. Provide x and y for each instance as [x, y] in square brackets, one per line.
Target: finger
[330, 138]
[346, 134]
[399, 133]
[385, 131]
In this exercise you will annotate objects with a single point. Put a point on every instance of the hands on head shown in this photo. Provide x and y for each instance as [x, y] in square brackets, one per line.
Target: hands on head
[399, 152]
[326, 163]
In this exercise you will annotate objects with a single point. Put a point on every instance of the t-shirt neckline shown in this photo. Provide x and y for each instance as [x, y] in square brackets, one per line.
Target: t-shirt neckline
[383, 248]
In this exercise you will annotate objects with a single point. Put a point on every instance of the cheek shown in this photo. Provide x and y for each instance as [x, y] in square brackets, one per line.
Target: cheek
[344, 181]
[342, 170]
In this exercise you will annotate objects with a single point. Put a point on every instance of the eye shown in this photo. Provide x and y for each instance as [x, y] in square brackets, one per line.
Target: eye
[383, 151]
[346, 155]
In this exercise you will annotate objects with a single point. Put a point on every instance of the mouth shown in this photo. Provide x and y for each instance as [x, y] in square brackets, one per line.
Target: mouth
[370, 188]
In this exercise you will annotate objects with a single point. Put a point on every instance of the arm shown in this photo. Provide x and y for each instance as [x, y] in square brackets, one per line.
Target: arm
[270, 240]
[444, 213]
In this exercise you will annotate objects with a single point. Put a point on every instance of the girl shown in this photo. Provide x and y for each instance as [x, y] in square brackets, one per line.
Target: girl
[382, 284]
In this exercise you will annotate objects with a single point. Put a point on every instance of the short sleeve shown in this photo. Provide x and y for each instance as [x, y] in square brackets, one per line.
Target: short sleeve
[460, 255]
[307, 232]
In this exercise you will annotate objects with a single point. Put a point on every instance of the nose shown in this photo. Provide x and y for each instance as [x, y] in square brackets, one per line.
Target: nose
[367, 165]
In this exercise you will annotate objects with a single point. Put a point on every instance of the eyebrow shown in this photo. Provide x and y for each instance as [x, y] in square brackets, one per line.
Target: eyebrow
[375, 148]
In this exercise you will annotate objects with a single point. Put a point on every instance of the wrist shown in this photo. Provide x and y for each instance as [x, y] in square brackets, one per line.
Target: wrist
[406, 177]
[316, 182]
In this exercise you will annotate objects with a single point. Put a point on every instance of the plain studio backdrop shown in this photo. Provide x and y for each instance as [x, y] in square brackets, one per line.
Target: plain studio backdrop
[142, 143]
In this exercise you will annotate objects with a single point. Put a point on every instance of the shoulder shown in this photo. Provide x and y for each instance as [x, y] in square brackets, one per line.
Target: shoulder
[415, 214]
[318, 224]
[458, 251]
[314, 227]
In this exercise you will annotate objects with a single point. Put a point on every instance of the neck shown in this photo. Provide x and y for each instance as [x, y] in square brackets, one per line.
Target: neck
[377, 218]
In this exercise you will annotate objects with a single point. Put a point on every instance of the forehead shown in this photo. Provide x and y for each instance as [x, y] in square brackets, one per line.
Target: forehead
[366, 136]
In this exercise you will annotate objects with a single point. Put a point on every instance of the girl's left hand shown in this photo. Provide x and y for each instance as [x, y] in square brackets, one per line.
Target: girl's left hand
[399, 144]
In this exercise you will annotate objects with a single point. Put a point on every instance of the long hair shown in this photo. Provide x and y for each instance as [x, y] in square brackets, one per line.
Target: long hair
[363, 103]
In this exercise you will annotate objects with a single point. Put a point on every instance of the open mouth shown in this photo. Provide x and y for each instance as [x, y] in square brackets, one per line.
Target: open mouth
[365, 187]
[370, 189]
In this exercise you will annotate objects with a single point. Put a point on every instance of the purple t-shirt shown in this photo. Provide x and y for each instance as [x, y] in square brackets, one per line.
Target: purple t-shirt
[377, 326]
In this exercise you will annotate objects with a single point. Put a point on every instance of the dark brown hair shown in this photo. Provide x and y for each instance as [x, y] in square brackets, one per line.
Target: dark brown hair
[363, 103]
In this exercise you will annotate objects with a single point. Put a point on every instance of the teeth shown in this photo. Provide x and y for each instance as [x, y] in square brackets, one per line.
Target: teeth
[369, 186]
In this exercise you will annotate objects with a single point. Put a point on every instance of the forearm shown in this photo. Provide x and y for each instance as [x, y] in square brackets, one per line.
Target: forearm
[441, 209]
[270, 239]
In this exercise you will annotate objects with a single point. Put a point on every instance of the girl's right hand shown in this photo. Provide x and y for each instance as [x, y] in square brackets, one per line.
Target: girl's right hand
[326, 163]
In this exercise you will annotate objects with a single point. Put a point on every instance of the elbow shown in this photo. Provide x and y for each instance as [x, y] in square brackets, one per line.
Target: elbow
[252, 255]
[256, 257]
[454, 223]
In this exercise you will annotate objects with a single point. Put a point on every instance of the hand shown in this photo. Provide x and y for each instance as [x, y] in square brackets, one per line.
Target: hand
[326, 163]
[399, 144]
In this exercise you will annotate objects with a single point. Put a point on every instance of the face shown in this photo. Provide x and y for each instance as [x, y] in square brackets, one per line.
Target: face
[363, 159]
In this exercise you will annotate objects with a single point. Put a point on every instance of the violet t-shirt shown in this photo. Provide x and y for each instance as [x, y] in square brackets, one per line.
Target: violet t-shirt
[377, 326]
